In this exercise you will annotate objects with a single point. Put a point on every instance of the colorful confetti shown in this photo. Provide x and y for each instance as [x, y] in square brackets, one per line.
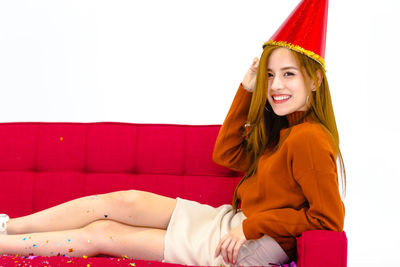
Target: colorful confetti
[125, 257]
[84, 256]
[71, 250]
[132, 264]
[89, 241]
[24, 239]
[34, 245]
[69, 240]
[69, 261]
[47, 241]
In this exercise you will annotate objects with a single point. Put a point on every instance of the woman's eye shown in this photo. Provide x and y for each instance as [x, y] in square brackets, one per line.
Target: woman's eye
[289, 73]
[270, 75]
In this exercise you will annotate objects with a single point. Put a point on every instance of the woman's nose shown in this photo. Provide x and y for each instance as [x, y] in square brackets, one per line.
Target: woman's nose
[276, 83]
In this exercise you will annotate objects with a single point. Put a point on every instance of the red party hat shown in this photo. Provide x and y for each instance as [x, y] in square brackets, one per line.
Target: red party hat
[305, 30]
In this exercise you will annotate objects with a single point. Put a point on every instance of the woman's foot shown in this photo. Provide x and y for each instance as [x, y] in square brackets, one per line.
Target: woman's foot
[3, 223]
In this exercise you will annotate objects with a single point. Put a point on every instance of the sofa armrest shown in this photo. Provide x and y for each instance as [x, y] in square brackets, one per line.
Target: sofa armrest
[326, 248]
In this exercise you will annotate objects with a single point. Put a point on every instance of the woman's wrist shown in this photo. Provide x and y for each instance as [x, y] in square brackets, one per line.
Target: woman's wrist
[247, 88]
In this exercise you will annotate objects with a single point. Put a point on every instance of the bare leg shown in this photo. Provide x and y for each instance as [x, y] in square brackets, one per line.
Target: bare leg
[101, 237]
[132, 207]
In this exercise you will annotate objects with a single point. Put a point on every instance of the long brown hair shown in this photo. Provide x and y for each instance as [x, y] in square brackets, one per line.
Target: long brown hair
[265, 127]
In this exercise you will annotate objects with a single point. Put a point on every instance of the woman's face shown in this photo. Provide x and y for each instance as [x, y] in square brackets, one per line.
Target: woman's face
[287, 88]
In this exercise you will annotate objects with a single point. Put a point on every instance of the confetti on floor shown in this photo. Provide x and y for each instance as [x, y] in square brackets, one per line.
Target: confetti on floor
[96, 261]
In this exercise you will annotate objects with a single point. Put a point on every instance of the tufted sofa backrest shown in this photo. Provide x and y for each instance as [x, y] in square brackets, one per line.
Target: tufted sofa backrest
[46, 163]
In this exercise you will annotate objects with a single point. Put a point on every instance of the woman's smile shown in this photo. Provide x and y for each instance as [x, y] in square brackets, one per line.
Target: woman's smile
[278, 99]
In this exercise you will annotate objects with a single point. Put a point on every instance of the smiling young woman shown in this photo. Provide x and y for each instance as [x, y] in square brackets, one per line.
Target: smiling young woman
[280, 131]
[287, 147]
[308, 87]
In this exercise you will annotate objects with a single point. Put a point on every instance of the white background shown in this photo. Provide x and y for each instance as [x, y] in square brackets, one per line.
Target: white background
[181, 62]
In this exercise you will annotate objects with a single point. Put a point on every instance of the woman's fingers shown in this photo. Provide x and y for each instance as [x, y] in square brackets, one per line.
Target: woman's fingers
[224, 247]
[250, 77]
[218, 249]
[230, 244]
[254, 65]
[236, 251]
[230, 250]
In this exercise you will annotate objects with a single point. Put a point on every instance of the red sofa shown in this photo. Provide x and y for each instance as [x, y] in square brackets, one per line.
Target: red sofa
[46, 163]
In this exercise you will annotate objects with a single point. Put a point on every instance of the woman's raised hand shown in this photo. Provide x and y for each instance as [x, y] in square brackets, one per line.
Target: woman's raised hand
[249, 79]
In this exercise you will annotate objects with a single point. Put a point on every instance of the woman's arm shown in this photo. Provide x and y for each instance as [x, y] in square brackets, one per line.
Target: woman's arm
[229, 150]
[325, 211]
[313, 165]
[229, 147]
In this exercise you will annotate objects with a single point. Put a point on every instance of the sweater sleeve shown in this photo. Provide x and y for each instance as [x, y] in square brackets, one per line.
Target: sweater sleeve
[313, 165]
[229, 148]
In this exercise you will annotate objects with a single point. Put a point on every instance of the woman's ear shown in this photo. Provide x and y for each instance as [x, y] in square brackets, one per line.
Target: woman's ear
[319, 77]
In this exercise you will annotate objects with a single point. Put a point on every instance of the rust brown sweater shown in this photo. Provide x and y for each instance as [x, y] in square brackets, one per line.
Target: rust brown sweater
[294, 189]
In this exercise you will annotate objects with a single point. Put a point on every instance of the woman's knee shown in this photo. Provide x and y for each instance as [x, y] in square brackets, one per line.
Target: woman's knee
[124, 199]
[97, 233]
[99, 227]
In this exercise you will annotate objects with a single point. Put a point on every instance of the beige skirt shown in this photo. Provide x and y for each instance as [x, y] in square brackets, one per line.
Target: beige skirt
[195, 230]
